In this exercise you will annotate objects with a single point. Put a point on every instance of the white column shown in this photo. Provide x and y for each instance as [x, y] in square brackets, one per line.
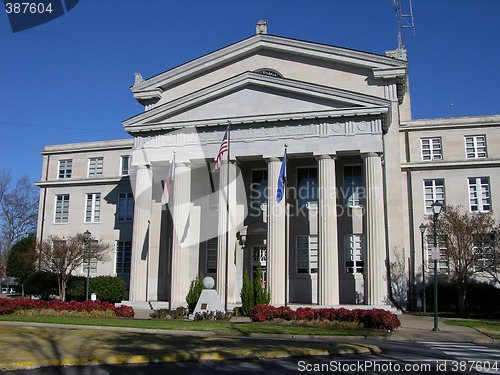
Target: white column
[140, 245]
[375, 285]
[181, 205]
[222, 228]
[276, 241]
[328, 253]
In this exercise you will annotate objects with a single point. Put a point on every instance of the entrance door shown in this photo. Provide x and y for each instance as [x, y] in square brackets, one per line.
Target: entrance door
[259, 256]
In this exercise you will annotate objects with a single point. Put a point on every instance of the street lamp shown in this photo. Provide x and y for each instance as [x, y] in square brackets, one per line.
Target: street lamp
[424, 259]
[88, 237]
[436, 210]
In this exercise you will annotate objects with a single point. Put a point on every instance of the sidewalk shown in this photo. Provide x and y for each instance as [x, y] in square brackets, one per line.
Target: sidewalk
[419, 328]
[29, 345]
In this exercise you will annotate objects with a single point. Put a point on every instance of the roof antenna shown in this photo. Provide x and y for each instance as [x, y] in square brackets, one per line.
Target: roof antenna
[404, 13]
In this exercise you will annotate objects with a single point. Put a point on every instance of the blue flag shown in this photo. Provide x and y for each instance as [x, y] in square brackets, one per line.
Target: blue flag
[281, 180]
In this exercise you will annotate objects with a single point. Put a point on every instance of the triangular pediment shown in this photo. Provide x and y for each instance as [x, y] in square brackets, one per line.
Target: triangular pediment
[254, 97]
[380, 66]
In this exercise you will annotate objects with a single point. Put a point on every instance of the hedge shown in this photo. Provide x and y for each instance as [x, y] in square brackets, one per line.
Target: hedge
[372, 318]
[9, 305]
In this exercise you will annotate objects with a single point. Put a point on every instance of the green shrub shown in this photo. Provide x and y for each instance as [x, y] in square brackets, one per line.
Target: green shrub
[253, 293]
[247, 295]
[108, 288]
[195, 289]
[167, 314]
[41, 284]
[212, 315]
[479, 297]
[75, 288]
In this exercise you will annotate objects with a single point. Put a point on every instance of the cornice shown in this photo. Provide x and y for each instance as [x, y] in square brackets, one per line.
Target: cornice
[450, 123]
[125, 144]
[444, 165]
[81, 182]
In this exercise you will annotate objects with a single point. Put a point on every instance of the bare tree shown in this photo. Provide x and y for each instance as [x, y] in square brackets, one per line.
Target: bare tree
[64, 255]
[18, 209]
[464, 235]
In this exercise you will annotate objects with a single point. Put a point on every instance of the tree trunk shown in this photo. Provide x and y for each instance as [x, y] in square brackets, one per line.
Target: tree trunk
[62, 287]
[461, 297]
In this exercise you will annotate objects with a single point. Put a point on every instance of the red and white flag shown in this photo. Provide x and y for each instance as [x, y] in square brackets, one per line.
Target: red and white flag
[224, 147]
[169, 182]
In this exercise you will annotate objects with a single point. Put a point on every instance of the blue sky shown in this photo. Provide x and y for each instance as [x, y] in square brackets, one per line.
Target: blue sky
[69, 80]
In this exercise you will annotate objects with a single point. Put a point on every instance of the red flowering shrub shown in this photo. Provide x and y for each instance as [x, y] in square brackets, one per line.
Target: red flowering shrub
[304, 313]
[8, 306]
[373, 318]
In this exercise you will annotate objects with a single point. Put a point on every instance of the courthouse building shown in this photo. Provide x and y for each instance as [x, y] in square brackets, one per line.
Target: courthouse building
[361, 175]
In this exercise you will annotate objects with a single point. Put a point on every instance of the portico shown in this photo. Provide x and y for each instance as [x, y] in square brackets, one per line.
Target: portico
[326, 243]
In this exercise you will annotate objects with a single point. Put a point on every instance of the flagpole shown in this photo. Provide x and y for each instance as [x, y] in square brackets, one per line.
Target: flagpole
[286, 232]
[170, 240]
[227, 214]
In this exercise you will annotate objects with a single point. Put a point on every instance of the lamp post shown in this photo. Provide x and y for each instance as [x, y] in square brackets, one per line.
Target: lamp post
[88, 237]
[424, 259]
[436, 210]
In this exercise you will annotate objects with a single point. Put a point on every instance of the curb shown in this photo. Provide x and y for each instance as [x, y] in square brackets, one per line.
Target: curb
[181, 357]
[332, 349]
[345, 348]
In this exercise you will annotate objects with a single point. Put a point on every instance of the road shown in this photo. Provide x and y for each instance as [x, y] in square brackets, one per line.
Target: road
[396, 357]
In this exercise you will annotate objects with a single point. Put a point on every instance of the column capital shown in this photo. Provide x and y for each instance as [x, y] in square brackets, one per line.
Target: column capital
[326, 156]
[186, 164]
[272, 159]
[365, 155]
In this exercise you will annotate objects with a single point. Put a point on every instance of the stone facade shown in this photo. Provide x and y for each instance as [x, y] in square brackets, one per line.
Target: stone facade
[357, 167]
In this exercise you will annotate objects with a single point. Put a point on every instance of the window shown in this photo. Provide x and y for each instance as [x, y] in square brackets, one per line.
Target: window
[125, 209]
[353, 186]
[93, 208]
[258, 191]
[62, 208]
[433, 191]
[307, 185]
[353, 254]
[484, 258]
[443, 262]
[65, 168]
[124, 165]
[95, 167]
[431, 149]
[93, 265]
[479, 194]
[123, 256]
[307, 254]
[260, 257]
[475, 146]
[211, 248]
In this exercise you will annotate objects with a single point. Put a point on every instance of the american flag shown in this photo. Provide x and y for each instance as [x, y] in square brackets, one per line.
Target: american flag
[167, 188]
[224, 147]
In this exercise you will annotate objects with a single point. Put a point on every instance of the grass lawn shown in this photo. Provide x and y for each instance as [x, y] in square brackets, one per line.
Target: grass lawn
[488, 327]
[219, 328]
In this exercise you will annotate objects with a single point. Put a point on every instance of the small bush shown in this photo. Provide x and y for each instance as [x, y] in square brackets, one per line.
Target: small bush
[254, 293]
[167, 314]
[195, 289]
[108, 288]
[42, 285]
[211, 315]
